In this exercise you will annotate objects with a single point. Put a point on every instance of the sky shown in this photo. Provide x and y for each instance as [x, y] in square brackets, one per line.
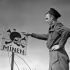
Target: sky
[29, 16]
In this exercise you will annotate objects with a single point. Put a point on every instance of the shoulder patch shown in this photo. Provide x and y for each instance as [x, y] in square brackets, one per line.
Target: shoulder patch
[58, 27]
[59, 24]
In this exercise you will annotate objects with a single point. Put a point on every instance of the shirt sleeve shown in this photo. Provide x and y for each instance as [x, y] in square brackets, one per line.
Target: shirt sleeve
[60, 28]
[63, 40]
[40, 36]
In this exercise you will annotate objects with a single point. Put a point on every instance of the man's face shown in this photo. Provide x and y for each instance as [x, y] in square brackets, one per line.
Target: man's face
[48, 18]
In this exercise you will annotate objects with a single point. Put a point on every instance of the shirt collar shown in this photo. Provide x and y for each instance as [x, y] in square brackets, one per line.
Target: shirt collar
[53, 23]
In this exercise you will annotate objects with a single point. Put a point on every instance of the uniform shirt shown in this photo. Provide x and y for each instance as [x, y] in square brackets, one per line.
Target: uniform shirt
[57, 34]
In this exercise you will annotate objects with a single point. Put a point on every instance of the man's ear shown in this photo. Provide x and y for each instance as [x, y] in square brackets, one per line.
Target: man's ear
[52, 17]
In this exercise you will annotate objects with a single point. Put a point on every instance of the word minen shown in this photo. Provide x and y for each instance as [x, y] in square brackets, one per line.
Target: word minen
[12, 49]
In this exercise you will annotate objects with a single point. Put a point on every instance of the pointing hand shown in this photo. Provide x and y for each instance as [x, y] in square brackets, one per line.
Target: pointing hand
[26, 33]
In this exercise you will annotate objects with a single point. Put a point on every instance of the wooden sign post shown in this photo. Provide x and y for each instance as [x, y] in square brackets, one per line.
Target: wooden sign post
[12, 61]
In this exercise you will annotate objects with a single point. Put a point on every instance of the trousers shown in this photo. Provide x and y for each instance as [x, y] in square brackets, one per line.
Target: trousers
[59, 60]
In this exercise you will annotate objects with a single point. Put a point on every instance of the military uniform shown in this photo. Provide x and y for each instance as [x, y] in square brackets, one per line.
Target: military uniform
[57, 35]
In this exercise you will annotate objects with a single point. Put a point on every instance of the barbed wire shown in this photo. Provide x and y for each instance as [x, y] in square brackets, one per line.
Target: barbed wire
[24, 62]
[16, 65]
[14, 61]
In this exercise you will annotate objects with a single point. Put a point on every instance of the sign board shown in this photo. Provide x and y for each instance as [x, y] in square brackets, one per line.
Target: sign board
[14, 41]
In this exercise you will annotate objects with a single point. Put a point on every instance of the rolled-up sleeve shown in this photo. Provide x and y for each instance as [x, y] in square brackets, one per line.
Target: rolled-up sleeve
[63, 32]
[63, 40]
[40, 36]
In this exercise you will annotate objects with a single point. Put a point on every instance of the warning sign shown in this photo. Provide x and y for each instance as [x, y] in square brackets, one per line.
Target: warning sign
[14, 41]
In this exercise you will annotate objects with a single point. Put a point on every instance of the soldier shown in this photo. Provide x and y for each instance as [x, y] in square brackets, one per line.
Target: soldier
[56, 39]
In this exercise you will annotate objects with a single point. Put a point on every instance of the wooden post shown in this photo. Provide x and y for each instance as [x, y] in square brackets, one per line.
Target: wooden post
[12, 61]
